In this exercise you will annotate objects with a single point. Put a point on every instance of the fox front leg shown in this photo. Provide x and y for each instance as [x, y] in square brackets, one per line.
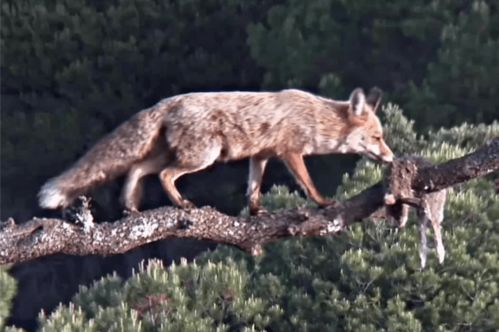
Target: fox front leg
[256, 170]
[297, 167]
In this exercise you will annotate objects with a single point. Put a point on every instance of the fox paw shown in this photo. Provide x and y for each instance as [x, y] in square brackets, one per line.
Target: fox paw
[257, 211]
[329, 203]
[187, 205]
[129, 212]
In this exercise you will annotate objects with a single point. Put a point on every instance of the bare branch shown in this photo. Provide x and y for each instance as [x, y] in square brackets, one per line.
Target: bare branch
[479, 163]
[42, 237]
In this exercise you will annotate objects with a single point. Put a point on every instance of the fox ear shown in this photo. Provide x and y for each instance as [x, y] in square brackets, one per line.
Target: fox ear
[357, 101]
[374, 98]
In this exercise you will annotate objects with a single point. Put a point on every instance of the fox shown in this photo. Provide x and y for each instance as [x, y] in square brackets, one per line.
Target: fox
[187, 133]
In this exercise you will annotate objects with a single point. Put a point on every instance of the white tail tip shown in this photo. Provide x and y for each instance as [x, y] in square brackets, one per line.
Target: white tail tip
[51, 197]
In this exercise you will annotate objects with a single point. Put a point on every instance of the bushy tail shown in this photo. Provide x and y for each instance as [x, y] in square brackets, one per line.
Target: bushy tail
[112, 156]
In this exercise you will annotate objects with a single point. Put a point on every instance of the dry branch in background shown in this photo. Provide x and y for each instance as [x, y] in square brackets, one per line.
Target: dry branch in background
[41, 237]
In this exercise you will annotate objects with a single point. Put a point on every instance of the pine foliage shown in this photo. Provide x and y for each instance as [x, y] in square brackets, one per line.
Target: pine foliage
[8, 290]
[182, 297]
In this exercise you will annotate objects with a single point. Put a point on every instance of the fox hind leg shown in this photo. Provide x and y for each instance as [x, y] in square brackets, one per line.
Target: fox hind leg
[168, 176]
[184, 164]
[256, 170]
[132, 190]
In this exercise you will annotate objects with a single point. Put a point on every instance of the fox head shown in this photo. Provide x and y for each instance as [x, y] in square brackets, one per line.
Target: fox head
[365, 133]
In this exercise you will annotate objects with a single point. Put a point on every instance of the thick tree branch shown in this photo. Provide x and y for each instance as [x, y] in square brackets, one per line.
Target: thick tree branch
[42, 237]
[479, 163]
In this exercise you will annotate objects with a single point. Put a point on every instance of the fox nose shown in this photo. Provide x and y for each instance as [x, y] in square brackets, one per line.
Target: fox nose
[387, 158]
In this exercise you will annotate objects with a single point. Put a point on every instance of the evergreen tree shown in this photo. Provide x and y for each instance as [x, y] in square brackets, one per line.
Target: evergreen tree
[462, 83]
[8, 287]
[184, 297]
[334, 45]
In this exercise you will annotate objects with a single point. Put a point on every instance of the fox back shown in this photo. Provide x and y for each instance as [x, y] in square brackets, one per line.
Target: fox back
[258, 123]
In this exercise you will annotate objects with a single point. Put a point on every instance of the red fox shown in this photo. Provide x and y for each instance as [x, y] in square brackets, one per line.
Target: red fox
[187, 133]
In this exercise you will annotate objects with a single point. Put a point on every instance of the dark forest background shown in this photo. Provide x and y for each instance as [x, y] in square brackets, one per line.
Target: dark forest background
[72, 70]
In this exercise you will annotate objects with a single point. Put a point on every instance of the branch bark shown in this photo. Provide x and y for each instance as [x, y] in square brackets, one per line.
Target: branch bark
[479, 163]
[41, 237]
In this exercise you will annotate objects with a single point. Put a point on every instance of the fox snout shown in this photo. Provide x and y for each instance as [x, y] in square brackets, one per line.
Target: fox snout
[378, 151]
[387, 159]
[385, 155]
[388, 156]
